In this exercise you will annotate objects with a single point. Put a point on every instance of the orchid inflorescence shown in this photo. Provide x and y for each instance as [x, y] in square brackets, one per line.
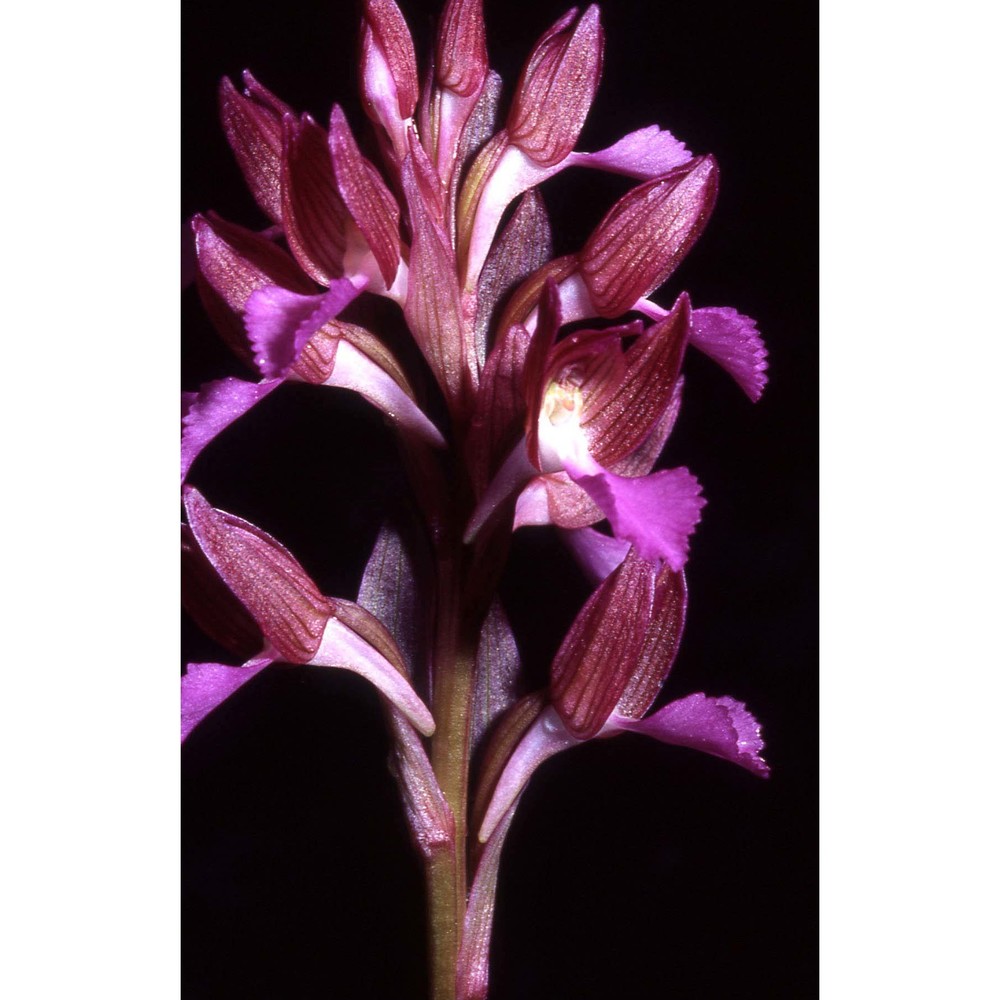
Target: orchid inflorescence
[556, 382]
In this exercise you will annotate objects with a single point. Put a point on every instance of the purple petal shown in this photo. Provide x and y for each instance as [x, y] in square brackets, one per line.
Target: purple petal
[656, 513]
[279, 322]
[598, 555]
[213, 408]
[733, 341]
[207, 685]
[353, 369]
[722, 727]
[343, 648]
[646, 153]
[546, 737]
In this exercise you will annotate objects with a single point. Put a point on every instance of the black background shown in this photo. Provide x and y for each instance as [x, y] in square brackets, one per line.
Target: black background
[632, 870]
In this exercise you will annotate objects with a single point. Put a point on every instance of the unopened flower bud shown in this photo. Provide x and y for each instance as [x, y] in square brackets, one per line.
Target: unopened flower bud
[462, 63]
[387, 47]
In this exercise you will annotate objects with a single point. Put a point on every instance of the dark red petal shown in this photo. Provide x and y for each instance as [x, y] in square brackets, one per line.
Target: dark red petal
[236, 261]
[666, 624]
[369, 201]
[433, 301]
[253, 129]
[557, 87]
[461, 62]
[265, 577]
[620, 419]
[315, 217]
[646, 235]
[498, 417]
[212, 605]
[596, 659]
[389, 27]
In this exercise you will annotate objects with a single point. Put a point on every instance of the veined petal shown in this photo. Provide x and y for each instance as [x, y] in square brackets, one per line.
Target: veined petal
[252, 123]
[555, 499]
[235, 261]
[557, 87]
[733, 341]
[592, 668]
[461, 63]
[206, 685]
[646, 153]
[389, 63]
[722, 727]
[315, 219]
[433, 302]
[640, 462]
[213, 408]
[546, 737]
[659, 649]
[342, 646]
[280, 323]
[646, 234]
[498, 415]
[264, 575]
[618, 420]
[656, 513]
[369, 201]
[213, 605]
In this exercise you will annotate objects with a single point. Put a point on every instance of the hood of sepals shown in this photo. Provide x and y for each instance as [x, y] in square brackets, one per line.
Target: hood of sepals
[557, 87]
[597, 392]
[252, 125]
[388, 67]
[264, 576]
[461, 63]
[212, 605]
[594, 665]
[369, 201]
[316, 221]
[646, 234]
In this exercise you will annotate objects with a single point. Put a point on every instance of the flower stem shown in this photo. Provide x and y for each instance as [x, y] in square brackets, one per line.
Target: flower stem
[454, 665]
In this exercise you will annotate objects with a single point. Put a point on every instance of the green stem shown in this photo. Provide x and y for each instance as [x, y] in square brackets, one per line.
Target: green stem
[454, 664]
